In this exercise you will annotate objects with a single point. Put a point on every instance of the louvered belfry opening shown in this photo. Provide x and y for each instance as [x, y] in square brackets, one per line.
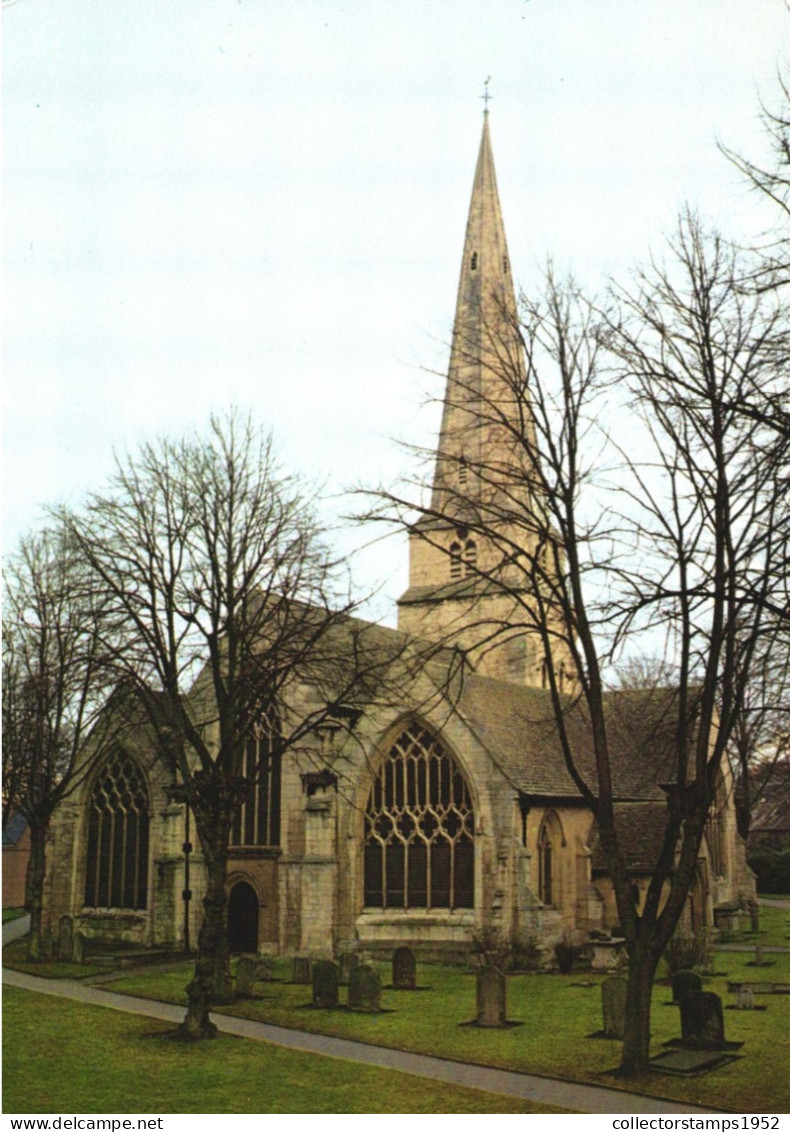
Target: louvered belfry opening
[116, 874]
[419, 828]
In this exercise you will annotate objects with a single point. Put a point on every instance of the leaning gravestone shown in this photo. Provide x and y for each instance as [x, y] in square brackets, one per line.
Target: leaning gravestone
[300, 970]
[491, 997]
[684, 982]
[404, 969]
[364, 989]
[613, 992]
[326, 980]
[66, 939]
[702, 1020]
[347, 961]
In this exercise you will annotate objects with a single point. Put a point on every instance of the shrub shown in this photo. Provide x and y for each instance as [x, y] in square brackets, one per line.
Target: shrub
[772, 868]
[526, 953]
[566, 953]
[685, 951]
[490, 947]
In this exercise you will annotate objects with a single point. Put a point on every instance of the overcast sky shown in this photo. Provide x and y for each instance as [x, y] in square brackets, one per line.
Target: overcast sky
[262, 203]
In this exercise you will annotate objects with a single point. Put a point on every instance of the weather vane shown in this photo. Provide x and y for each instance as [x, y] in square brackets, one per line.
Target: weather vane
[486, 96]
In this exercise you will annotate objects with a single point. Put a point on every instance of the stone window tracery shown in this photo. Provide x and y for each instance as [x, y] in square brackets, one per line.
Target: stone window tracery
[257, 820]
[419, 828]
[116, 873]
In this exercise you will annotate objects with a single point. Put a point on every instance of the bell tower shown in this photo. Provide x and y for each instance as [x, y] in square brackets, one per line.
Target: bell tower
[484, 512]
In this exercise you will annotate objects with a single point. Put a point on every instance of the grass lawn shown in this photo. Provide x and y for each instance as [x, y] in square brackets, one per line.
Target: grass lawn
[62, 1056]
[557, 1015]
[12, 914]
[15, 955]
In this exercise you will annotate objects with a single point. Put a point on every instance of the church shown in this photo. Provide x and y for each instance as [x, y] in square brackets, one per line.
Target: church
[423, 820]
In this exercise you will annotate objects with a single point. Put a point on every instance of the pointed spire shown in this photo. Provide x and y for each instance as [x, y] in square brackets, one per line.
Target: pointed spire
[483, 334]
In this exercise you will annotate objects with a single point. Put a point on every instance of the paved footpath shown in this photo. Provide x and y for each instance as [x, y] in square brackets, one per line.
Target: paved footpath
[542, 1090]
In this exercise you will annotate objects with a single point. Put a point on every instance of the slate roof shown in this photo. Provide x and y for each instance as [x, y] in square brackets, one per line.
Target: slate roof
[640, 829]
[517, 726]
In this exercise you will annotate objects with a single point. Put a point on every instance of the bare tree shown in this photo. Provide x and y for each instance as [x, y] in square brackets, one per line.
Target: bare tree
[665, 529]
[230, 614]
[55, 689]
[761, 735]
[770, 177]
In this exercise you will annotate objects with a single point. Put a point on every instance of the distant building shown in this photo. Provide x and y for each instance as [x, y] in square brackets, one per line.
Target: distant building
[421, 821]
[16, 855]
[770, 824]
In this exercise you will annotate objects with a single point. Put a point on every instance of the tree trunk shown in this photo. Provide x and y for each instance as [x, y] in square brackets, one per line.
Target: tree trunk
[211, 980]
[635, 1056]
[34, 885]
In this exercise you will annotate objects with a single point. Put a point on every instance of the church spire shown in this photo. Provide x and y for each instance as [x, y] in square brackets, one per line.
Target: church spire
[459, 551]
[485, 343]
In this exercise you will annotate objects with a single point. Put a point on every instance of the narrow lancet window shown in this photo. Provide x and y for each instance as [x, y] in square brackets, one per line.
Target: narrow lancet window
[456, 566]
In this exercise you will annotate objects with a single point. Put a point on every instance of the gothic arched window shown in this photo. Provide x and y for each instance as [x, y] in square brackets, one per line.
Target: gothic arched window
[463, 558]
[257, 820]
[549, 843]
[419, 828]
[116, 872]
[456, 566]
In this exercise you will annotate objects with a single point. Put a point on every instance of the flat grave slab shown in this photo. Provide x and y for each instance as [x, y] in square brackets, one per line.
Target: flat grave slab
[690, 1062]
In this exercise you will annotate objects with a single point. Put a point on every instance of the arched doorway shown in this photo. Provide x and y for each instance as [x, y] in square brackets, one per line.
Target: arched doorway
[243, 918]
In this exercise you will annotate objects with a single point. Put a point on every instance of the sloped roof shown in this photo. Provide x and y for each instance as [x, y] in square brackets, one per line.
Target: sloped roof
[640, 830]
[518, 727]
[772, 811]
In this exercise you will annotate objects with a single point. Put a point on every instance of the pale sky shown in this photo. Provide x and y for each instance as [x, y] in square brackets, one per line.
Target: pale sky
[262, 203]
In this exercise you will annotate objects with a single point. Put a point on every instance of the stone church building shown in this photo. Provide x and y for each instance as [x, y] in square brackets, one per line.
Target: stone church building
[419, 821]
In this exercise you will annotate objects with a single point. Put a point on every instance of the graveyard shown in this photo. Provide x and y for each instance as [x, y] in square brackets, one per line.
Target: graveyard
[732, 1023]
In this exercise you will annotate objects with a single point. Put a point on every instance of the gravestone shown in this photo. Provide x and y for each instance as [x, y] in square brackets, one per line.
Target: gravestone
[613, 992]
[404, 969]
[246, 976]
[347, 961]
[326, 980]
[758, 955]
[300, 970]
[78, 947]
[744, 999]
[754, 917]
[491, 997]
[702, 1020]
[364, 989]
[66, 939]
[684, 982]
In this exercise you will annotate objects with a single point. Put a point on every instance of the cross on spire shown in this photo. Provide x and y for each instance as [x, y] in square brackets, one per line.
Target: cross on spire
[486, 96]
